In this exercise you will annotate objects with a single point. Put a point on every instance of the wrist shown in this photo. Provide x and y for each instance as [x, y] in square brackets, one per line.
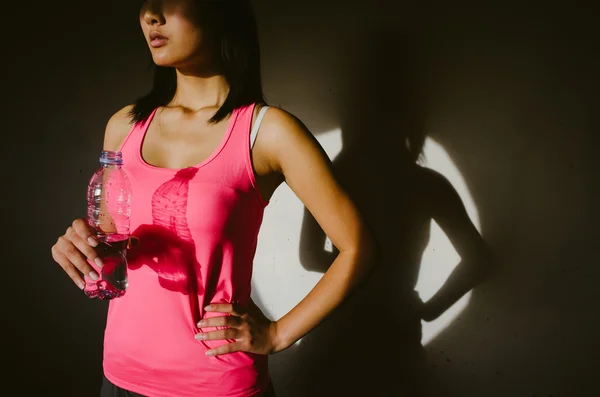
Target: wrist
[278, 340]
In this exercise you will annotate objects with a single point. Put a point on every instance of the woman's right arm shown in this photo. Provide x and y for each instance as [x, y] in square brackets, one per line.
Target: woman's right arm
[73, 249]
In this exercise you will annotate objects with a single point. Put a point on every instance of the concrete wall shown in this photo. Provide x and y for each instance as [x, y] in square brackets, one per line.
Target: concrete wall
[503, 97]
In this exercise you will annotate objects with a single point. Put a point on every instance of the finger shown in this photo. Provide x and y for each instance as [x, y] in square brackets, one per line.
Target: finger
[225, 349]
[224, 308]
[219, 307]
[74, 256]
[68, 267]
[229, 333]
[225, 321]
[86, 249]
[84, 231]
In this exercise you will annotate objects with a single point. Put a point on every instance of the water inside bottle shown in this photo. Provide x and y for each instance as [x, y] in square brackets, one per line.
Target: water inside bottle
[112, 249]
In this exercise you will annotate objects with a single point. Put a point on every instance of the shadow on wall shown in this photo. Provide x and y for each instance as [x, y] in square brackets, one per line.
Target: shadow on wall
[510, 94]
[372, 344]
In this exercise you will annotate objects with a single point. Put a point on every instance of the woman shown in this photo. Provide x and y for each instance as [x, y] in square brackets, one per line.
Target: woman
[204, 154]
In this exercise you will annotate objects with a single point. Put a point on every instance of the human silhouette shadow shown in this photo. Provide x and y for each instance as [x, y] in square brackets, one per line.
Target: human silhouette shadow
[371, 345]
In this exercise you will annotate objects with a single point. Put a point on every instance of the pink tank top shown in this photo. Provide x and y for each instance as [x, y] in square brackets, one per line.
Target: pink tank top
[198, 230]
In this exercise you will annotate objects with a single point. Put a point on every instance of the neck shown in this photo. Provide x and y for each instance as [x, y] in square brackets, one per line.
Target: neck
[197, 91]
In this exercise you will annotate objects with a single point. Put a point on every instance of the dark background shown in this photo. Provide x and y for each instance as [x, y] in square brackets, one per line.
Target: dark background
[509, 90]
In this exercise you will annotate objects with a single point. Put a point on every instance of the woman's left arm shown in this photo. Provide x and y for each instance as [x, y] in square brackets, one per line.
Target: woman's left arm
[293, 151]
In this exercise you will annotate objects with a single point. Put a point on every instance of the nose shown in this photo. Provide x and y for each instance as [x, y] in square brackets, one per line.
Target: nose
[153, 13]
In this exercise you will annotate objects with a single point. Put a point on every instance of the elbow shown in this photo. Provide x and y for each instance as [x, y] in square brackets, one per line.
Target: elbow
[359, 258]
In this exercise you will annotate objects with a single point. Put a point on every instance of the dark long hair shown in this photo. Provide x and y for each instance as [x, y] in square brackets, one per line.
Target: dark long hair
[232, 26]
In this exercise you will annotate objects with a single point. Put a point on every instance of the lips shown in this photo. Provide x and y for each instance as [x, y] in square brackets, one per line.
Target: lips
[157, 39]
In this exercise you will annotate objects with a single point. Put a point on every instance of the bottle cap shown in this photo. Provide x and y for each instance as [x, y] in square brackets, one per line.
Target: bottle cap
[109, 157]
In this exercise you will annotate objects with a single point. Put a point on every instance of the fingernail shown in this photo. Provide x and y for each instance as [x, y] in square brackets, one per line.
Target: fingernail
[80, 284]
[207, 308]
[201, 324]
[94, 275]
[92, 241]
[99, 262]
[211, 353]
[199, 336]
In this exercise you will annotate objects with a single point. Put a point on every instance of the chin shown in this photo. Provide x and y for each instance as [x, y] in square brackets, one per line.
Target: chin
[171, 60]
[164, 61]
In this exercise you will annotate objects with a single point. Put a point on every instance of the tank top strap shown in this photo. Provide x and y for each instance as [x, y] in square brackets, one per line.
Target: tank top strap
[237, 153]
[244, 131]
[238, 143]
[243, 126]
[132, 142]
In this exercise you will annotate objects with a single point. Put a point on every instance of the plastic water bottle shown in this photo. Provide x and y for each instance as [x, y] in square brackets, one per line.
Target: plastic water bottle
[108, 211]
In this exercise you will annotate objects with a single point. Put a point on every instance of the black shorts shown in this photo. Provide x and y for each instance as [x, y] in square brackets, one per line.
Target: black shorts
[110, 390]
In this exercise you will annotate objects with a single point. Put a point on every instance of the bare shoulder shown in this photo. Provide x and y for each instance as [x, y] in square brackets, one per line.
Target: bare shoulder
[281, 128]
[117, 128]
[282, 137]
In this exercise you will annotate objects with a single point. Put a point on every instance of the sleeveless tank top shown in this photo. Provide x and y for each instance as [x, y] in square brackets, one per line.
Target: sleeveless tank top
[198, 229]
